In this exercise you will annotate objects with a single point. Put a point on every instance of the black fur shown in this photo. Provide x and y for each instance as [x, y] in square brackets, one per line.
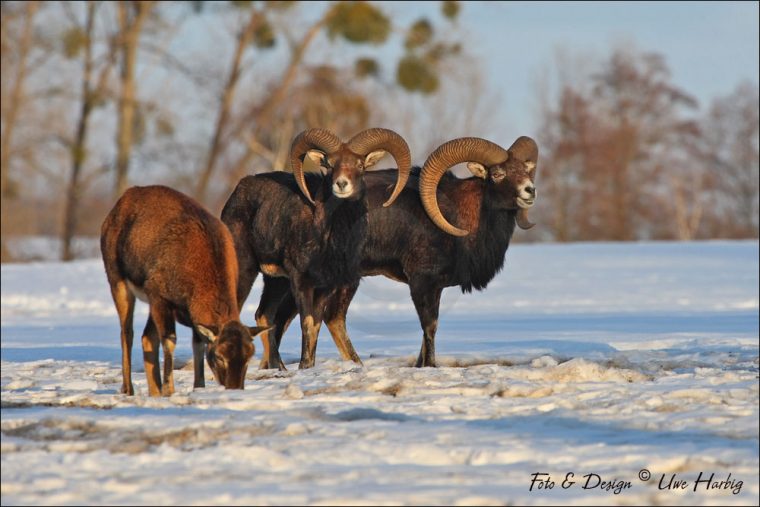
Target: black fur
[318, 247]
[404, 240]
[405, 245]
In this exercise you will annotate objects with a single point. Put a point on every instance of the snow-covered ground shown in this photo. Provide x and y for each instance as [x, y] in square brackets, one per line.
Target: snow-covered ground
[617, 362]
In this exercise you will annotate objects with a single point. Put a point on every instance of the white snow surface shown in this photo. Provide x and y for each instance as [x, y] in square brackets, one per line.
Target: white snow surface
[619, 360]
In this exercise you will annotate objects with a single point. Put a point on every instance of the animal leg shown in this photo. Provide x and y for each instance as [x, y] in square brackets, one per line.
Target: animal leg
[284, 316]
[125, 306]
[199, 352]
[335, 318]
[150, 346]
[427, 299]
[275, 290]
[311, 321]
[164, 320]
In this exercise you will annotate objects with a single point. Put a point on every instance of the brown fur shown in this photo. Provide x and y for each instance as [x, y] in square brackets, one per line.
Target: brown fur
[467, 196]
[162, 244]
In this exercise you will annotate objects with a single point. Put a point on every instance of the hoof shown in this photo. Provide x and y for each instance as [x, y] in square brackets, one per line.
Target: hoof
[264, 365]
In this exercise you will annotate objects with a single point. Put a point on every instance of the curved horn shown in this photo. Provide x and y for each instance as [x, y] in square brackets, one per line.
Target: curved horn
[312, 139]
[524, 149]
[383, 139]
[463, 149]
[522, 219]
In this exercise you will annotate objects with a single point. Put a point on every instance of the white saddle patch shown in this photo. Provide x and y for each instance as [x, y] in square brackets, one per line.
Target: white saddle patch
[137, 291]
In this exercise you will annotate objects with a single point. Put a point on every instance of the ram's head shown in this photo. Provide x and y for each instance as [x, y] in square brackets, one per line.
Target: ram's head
[510, 174]
[345, 163]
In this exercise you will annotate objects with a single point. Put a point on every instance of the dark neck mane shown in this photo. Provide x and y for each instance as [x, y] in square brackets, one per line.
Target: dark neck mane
[481, 257]
[338, 262]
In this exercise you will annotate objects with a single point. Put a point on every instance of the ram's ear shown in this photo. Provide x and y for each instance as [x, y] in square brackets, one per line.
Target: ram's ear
[258, 330]
[477, 169]
[373, 158]
[208, 332]
[314, 161]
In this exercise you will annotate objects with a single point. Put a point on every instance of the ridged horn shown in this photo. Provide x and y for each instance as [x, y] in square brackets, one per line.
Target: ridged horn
[370, 140]
[522, 219]
[456, 151]
[524, 149]
[312, 139]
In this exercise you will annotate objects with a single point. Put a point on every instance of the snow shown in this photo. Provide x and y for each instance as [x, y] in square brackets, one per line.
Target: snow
[604, 358]
[46, 248]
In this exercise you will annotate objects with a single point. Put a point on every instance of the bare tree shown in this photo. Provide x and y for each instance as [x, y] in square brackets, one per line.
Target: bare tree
[244, 37]
[731, 139]
[613, 150]
[19, 61]
[131, 19]
[261, 115]
[92, 92]
[642, 122]
[15, 99]
[567, 136]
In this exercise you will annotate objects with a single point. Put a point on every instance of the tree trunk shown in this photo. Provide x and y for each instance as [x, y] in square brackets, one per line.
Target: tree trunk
[244, 40]
[261, 119]
[130, 26]
[16, 99]
[79, 147]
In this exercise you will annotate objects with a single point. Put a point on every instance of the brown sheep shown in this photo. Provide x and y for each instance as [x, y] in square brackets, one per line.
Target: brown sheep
[164, 248]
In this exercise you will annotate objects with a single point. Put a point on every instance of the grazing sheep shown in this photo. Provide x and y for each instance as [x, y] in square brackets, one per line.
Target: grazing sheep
[162, 247]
